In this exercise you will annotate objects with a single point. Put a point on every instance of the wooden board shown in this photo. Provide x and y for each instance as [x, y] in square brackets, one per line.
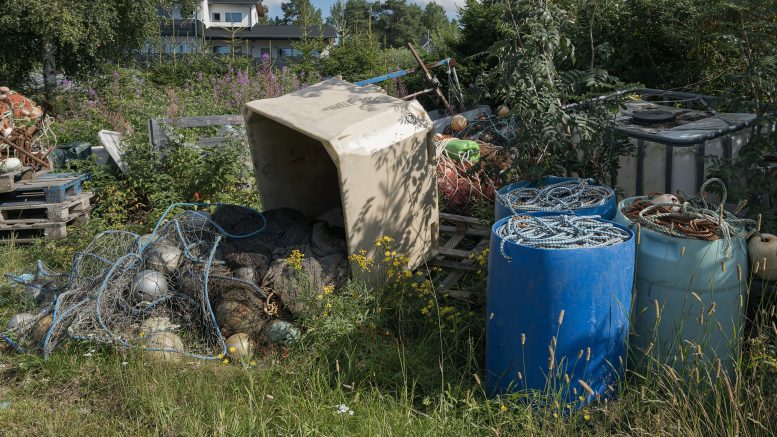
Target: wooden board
[28, 232]
[158, 138]
[42, 212]
[9, 181]
[462, 238]
[49, 188]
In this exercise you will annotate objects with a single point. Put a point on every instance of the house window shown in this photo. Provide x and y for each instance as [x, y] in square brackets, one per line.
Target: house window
[233, 17]
[217, 16]
[289, 53]
[221, 50]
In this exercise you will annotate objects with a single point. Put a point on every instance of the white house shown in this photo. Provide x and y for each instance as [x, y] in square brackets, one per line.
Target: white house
[221, 26]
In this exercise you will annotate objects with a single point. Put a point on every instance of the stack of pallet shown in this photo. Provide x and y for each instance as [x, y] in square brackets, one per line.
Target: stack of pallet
[40, 205]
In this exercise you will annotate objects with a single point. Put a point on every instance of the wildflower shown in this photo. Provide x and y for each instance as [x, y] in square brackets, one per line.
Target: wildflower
[253, 363]
[343, 409]
[232, 350]
[586, 416]
[221, 356]
[326, 314]
[502, 407]
[226, 361]
[319, 296]
[329, 289]
[295, 259]
[142, 334]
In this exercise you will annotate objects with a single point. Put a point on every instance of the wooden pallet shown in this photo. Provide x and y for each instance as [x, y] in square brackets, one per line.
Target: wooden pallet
[10, 180]
[49, 188]
[41, 212]
[461, 239]
[29, 232]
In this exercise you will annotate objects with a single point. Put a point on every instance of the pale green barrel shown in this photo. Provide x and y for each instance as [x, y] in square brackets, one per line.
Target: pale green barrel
[689, 298]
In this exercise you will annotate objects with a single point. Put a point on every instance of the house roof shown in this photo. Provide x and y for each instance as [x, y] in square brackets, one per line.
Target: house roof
[267, 31]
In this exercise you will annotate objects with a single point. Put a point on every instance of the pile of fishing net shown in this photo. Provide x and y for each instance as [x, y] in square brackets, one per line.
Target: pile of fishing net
[689, 217]
[199, 278]
[474, 173]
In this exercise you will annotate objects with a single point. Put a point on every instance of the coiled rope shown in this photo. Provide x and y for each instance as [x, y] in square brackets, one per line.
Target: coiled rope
[564, 231]
[693, 217]
[562, 196]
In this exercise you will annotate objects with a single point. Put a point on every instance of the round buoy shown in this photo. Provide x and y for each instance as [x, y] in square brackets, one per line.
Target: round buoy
[9, 164]
[665, 199]
[164, 258]
[155, 324]
[458, 123]
[20, 321]
[763, 254]
[503, 111]
[245, 273]
[164, 346]
[239, 346]
[148, 286]
[236, 317]
[282, 332]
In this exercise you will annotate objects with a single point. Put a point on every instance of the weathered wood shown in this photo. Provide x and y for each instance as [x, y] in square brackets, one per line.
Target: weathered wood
[470, 231]
[51, 188]
[158, 137]
[42, 212]
[30, 232]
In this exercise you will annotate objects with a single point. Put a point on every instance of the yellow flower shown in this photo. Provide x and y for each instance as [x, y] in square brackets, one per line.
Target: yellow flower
[320, 296]
[142, 333]
[408, 274]
[586, 416]
[221, 356]
[326, 313]
[226, 361]
[329, 305]
[329, 289]
[502, 407]
[387, 253]
[253, 363]
[232, 350]
[295, 259]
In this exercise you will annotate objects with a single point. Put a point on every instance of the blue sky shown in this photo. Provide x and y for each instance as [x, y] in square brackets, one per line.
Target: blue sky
[449, 5]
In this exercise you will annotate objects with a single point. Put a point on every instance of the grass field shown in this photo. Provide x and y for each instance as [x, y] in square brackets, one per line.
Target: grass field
[375, 374]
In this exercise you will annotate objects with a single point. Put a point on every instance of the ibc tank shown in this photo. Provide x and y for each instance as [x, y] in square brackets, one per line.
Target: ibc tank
[501, 210]
[526, 295]
[669, 269]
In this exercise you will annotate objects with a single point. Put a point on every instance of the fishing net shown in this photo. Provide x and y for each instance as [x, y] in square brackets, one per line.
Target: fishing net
[562, 196]
[155, 292]
[560, 232]
[462, 180]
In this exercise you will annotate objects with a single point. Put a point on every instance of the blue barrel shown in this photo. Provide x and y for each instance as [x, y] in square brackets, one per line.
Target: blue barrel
[526, 296]
[606, 210]
[700, 293]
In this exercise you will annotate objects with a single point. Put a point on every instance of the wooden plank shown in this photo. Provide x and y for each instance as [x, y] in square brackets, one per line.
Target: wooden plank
[458, 253]
[470, 231]
[30, 232]
[461, 218]
[42, 212]
[456, 265]
[51, 188]
[158, 137]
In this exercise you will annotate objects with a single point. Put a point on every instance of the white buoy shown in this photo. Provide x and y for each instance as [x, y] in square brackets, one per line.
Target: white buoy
[458, 123]
[148, 286]
[763, 255]
[239, 346]
[164, 258]
[168, 344]
[666, 199]
[20, 322]
[9, 164]
[156, 324]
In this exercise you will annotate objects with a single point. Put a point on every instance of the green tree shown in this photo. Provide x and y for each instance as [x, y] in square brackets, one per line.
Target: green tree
[357, 57]
[337, 18]
[73, 36]
[398, 22]
[357, 16]
[434, 17]
[297, 11]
